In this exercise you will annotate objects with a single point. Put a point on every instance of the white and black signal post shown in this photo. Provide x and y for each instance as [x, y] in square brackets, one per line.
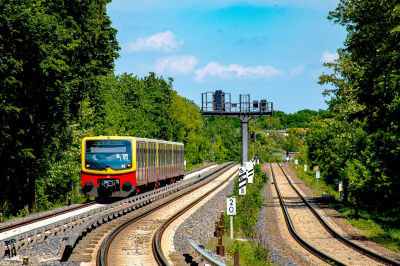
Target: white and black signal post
[231, 210]
[250, 172]
[242, 180]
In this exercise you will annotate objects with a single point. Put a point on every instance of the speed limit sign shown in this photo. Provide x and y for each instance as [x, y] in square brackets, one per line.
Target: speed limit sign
[231, 206]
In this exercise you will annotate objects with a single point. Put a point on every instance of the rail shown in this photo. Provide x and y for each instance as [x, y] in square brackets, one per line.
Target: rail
[296, 236]
[157, 250]
[335, 234]
[204, 255]
[9, 246]
[69, 243]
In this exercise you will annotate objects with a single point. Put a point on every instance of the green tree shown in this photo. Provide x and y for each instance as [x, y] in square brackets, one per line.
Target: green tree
[50, 53]
[365, 102]
[187, 127]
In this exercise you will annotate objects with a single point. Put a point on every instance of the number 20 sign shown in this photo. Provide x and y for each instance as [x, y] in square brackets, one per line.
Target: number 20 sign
[231, 206]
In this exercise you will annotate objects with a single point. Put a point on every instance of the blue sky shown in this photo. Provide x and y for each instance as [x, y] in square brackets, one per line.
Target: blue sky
[271, 50]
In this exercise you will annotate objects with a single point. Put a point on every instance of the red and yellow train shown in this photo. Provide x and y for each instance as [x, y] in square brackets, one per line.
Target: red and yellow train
[124, 166]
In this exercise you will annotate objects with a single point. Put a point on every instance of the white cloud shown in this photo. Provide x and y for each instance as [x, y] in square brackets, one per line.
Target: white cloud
[214, 68]
[296, 70]
[328, 57]
[159, 42]
[177, 63]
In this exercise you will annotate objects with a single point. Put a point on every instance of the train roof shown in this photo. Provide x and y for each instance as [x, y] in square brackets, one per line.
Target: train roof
[135, 138]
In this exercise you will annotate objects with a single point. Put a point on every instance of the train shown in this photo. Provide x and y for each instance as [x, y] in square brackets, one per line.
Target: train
[125, 166]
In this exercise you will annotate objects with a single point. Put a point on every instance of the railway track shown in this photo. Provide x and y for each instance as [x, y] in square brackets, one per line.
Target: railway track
[139, 239]
[45, 217]
[32, 231]
[312, 232]
[72, 209]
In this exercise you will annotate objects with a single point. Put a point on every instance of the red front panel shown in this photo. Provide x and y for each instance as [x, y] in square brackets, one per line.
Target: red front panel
[122, 178]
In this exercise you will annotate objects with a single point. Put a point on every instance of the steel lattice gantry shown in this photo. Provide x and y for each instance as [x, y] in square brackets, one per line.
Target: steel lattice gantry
[219, 103]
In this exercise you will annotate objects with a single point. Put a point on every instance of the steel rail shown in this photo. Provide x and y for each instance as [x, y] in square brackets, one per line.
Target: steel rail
[101, 258]
[44, 217]
[81, 206]
[157, 250]
[363, 251]
[296, 236]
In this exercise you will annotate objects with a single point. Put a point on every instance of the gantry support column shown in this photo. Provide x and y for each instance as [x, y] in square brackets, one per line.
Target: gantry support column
[245, 138]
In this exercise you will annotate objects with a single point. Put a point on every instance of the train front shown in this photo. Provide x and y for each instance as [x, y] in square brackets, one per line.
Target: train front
[108, 166]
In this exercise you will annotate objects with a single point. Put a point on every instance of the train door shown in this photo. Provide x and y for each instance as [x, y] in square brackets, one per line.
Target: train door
[150, 161]
[179, 159]
[157, 159]
[162, 166]
[153, 172]
[146, 160]
[143, 151]
[173, 159]
[168, 159]
[165, 160]
[138, 162]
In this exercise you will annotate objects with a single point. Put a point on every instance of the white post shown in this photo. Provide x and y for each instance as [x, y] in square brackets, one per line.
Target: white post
[231, 210]
[231, 226]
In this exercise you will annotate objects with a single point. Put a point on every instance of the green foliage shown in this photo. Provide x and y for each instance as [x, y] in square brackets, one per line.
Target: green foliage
[382, 229]
[247, 206]
[227, 134]
[358, 140]
[50, 54]
[300, 119]
[310, 181]
[187, 127]
[42, 202]
[271, 146]
[249, 253]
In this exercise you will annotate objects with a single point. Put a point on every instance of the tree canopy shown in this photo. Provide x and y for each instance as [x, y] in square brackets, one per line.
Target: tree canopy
[358, 141]
[50, 53]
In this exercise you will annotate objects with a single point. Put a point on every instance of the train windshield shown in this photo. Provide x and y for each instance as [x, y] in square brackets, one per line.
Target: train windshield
[114, 154]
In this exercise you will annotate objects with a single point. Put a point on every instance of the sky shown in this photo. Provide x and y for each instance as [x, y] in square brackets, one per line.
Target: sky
[270, 49]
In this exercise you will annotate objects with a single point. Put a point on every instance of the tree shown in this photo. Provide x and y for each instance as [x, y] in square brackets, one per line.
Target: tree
[365, 102]
[187, 127]
[50, 53]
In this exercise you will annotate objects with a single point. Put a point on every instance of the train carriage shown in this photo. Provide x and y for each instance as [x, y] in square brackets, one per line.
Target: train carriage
[123, 166]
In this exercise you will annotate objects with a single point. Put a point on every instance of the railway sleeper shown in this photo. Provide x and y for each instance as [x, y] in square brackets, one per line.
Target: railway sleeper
[82, 250]
[80, 257]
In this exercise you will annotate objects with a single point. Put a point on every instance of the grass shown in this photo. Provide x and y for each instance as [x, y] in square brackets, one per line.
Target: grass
[250, 254]
[310, 181]
[247, 207]
[381, 229]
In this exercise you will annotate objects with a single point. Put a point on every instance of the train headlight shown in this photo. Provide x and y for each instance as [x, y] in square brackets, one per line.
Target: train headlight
[88, 165]
[129, 165]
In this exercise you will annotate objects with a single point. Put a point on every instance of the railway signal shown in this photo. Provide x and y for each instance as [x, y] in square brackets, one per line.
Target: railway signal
[219, 103]
[253, 136]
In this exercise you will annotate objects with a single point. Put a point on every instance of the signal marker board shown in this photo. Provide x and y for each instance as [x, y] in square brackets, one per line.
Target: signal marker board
[231, 206]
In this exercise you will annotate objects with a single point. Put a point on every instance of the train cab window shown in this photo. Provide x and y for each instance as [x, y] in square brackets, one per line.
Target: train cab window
[113, 154]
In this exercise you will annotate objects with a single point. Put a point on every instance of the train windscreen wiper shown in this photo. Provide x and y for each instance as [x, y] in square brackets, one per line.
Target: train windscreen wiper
[93, 164]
